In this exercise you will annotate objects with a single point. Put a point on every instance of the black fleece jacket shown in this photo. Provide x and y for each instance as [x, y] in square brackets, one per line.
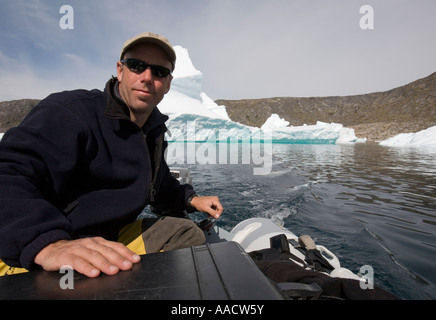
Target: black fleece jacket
[77, 166]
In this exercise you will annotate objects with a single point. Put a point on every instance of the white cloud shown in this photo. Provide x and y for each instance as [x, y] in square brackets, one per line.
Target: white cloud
[75, 59]
[5, 60]
[19, 80]
[24, 84]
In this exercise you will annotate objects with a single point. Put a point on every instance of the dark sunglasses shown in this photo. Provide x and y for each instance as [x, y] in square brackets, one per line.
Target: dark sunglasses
[140, 66]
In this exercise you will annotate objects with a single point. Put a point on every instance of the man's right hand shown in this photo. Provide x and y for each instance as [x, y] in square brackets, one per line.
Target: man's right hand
[89, 256]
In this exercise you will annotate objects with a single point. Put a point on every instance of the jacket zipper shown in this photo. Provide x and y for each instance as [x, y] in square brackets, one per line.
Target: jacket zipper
[157, 159]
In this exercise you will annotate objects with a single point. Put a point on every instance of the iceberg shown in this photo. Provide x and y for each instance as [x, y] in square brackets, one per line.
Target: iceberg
[186, 95]
[274, 122]
[424, 138]
[199, 128]
[194, 117]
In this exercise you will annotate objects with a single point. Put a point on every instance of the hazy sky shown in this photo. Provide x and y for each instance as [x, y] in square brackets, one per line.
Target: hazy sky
[244, 48]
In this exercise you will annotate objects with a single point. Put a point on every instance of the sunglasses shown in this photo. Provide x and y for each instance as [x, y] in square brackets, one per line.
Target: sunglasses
[140, 66]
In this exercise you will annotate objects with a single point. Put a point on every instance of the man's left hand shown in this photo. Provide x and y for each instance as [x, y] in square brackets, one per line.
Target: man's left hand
[210, 205]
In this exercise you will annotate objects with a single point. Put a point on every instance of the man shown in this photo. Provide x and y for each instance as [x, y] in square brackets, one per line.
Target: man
[78, 171]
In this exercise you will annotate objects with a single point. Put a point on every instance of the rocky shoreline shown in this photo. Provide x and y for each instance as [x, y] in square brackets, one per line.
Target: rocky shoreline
[13, 112]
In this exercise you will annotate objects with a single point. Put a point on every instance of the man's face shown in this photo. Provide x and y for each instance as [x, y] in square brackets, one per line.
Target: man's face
[142, 92]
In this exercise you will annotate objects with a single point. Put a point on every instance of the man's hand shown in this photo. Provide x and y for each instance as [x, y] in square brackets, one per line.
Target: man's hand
[89, 256]
[209, 205]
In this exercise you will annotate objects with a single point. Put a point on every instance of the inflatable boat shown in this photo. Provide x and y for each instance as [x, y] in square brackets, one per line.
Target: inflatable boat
[256, 234]
[227, 267]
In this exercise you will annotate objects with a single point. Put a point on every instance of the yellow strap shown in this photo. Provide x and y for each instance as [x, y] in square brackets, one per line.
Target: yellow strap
[6, 270]
[131, 237]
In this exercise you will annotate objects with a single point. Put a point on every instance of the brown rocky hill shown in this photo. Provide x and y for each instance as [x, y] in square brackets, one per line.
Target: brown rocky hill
[375, 116]
[13, 112]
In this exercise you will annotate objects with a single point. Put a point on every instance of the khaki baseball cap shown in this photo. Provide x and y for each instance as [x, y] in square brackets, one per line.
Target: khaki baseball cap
[153, 38]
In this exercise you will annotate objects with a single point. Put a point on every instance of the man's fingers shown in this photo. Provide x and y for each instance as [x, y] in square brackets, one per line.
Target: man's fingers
[102, 259]
[89, 256]
[84, 267]
[215, 209]
[85, 258]
[117, 253]
[209, 205]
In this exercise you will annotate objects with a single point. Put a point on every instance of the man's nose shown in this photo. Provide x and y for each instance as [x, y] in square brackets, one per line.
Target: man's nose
[146, 76]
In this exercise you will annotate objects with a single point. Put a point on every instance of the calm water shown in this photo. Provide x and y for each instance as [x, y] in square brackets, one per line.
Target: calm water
[370, 205]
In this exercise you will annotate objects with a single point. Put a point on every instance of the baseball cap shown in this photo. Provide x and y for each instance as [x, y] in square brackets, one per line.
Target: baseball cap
[152, 38]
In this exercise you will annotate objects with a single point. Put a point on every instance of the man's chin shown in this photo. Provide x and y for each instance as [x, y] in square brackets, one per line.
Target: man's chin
[142, 108]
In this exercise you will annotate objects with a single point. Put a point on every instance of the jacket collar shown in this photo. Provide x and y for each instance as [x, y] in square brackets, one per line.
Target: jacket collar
[116, 108]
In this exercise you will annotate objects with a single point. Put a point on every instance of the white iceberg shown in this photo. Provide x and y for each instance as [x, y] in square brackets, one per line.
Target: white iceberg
[424, 138]
[186, 95]
[195, 117]
[275, 122]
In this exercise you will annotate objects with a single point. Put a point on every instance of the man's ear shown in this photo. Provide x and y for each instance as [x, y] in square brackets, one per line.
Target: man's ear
[119, 71]
[169, 83]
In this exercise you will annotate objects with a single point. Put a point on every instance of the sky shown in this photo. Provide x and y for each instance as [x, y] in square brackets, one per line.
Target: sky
[246, 49]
